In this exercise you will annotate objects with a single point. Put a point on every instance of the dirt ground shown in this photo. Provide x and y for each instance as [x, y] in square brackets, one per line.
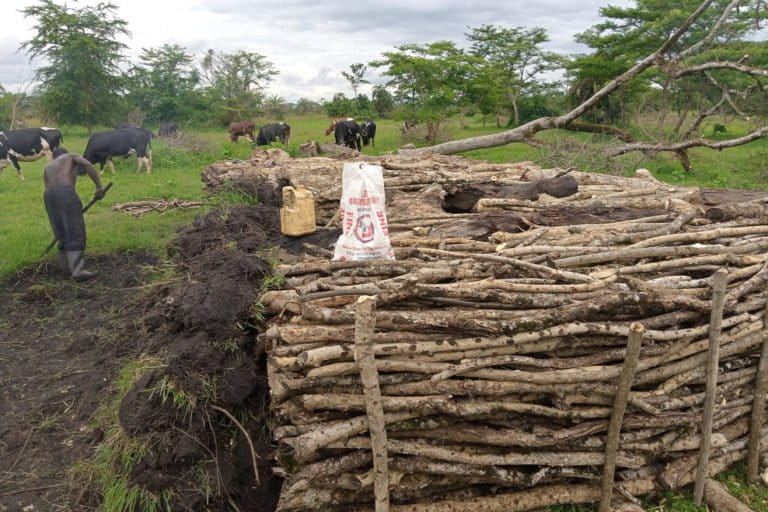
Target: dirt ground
[61, 344]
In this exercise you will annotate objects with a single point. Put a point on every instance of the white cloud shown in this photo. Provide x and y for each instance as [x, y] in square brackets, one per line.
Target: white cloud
[311, 42]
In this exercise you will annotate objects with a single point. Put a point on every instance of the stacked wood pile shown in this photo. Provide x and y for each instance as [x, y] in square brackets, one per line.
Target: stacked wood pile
[501, 333]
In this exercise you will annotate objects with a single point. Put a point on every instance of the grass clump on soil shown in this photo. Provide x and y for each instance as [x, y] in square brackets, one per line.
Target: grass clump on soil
[755, 496]
[169, 391]
[108, 474]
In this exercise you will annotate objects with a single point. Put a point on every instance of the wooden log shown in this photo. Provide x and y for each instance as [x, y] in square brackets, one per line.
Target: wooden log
[617, 416]
[701, 236]
[464, 197]
[492, 456]
[718, 299]
[529, 499]
[758, 410]
[717, 496]
[305, 446]
[564, 275]
[353, 402]
[654, 252]
[364, 327]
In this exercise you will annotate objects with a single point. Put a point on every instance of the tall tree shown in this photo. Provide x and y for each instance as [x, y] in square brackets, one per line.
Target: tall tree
[431, 80]
[306, 106]
[237, 80]
[81, 80]
[355, 76]
[515, 54]
[383, 101]
[275, 106]
[627, 34]
[163, 83]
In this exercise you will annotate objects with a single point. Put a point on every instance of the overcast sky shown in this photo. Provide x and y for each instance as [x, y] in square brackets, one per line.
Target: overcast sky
[310, 42]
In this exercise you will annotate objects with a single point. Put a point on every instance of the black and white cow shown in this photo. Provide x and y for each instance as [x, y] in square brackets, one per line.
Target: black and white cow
[347, 133]
[102, 146]
[27, 145]
[368, 132]
[272, 132]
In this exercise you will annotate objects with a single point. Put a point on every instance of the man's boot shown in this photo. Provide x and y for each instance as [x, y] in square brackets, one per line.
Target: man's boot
[77, 266]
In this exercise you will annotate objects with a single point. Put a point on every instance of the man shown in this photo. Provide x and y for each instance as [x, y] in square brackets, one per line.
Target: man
[65, 210]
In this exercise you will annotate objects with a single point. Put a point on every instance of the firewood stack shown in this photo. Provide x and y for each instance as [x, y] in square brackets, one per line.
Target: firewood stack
[500, 335]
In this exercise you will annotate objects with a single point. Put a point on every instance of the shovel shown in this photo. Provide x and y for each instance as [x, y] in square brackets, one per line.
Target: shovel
[85, 209]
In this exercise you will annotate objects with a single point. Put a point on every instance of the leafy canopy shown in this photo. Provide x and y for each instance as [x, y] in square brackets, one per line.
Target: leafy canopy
[163, 84]
[81, 80]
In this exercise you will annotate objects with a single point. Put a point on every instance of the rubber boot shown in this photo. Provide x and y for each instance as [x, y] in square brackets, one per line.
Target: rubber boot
[77, 266]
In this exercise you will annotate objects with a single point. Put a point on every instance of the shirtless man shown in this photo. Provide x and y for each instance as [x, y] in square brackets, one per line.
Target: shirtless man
[65, 210]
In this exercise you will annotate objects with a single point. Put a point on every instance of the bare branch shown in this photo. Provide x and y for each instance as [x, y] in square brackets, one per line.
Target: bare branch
[737, 66]
[709, 37]
[682, 146]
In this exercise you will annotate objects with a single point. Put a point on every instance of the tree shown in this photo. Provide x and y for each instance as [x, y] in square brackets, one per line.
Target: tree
[81, 81]
[683, 53]
[515, 54]
[306, 106]
[163, 84]
[383, 101]
[275, 106]
[237, 82]
[430, 80]
[355, 76]
[627, 34]
[339, 106]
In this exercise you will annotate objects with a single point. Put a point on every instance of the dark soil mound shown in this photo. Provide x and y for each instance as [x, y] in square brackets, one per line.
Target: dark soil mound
[243, 228]
[207, 321]
[223, 285]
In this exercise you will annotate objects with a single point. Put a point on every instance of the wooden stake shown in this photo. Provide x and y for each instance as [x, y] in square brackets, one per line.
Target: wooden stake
[758, 410]
[365, 321]
[718, 300]
[617, 417]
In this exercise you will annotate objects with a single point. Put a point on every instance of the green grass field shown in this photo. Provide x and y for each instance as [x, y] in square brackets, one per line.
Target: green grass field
[24, 229]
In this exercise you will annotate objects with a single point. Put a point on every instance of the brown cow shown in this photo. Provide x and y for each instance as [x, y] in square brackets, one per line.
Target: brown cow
[238, 128]
[334, 121]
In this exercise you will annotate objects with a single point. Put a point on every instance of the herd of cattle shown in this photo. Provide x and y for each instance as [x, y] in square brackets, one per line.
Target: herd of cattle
[30, 144]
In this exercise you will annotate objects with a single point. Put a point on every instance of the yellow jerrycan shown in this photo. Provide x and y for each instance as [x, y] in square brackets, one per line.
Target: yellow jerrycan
[297, 216]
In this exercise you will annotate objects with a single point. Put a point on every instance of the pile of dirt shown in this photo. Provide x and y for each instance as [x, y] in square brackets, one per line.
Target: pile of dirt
[243, 228]
[207, 319]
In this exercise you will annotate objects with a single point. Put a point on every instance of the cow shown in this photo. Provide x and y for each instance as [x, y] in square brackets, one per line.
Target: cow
[168, 129]
[123, 125]
[368, 132]
[335, 121]
[238, 128]
[272, 132]
[27, 145]
[347, 133]
[102, 146]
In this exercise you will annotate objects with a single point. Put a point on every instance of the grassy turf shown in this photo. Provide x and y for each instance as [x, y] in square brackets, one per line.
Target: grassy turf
[25, 232]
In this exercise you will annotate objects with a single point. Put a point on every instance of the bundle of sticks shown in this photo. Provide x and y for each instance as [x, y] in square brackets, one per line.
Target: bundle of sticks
[139, 208]
[499, 354]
